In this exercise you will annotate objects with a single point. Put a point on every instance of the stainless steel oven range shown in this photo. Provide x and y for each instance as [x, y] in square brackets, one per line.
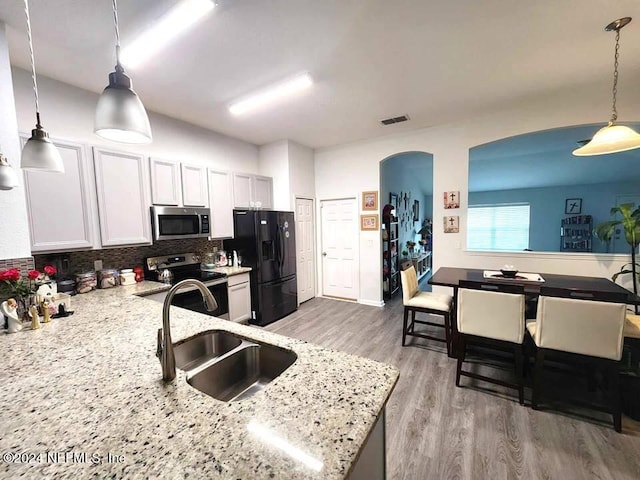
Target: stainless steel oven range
[173, 268]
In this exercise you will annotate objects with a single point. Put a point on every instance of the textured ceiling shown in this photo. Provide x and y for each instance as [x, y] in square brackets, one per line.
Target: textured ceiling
[437, 61]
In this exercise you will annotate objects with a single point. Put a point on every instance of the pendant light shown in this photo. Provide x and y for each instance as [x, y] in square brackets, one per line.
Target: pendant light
[8, 177]
[612, 138]
[38, 153]
[120, 115]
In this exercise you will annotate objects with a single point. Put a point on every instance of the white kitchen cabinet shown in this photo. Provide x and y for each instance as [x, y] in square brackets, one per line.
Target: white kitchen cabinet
[239, 292]
[166, 183]
[249, 189]
[263, 191]
[61, 206]
[221, 203]
[194, 186]
[122, 185]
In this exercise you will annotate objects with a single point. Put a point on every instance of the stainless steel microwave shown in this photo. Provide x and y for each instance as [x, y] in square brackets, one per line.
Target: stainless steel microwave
[171, 223]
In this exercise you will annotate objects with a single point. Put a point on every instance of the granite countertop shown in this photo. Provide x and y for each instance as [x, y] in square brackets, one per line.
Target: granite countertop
[83, 396]
[230, 271]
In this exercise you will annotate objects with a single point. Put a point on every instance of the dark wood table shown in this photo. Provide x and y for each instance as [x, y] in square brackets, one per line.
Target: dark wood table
[451, 277]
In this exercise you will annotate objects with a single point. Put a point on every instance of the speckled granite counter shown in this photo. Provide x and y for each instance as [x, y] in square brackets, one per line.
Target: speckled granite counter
[90, 386]
[230, 271]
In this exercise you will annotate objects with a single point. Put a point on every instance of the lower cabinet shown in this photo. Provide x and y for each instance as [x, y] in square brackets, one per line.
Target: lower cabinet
[239, 292]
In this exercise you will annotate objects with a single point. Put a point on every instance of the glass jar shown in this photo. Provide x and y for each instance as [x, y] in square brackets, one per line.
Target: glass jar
[107, 278]
[127, 277]
[85, 282]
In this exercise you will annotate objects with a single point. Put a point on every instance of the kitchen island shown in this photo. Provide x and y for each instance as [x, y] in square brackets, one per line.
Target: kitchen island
[83, 396]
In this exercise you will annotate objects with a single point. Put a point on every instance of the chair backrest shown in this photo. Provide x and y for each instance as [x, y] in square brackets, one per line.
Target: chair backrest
[491, 310]
[409, 283]
[579, 325]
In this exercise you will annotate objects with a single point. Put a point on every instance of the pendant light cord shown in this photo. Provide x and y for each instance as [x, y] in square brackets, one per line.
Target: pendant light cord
[33, 64]
[114, 4]
[614, 92]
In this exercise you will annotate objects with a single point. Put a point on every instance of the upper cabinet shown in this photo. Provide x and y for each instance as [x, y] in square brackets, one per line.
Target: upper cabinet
[194, 186]
[61, 206]
[181, 185]
[221, 203]
[123, 197]
[165, 182]
[249, 189]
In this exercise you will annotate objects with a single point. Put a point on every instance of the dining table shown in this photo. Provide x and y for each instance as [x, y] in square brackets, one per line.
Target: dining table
[452, 276]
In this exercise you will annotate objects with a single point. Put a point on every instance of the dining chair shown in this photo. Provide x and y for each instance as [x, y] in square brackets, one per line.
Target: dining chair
[416, 301]
[492, 315]
[587, 327]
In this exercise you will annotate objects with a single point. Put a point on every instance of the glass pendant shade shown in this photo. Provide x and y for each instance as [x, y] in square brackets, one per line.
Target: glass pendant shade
[120, 115]
[610, 139]
[39, 153]
[8, 177]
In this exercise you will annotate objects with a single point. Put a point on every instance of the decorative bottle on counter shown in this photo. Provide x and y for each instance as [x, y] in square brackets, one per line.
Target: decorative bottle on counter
[35, 318]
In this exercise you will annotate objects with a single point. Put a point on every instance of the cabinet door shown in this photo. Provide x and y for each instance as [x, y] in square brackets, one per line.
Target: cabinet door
[60, 205]
[194, 186]
[123, 197]
[242, 190]
[240, 302]
[221, 204]
[263, 191]
[165, 182]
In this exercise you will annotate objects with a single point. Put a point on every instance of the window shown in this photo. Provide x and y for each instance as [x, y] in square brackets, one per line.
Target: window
[498, 227]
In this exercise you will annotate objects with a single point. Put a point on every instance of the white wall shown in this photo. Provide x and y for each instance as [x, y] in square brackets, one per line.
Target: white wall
[301, 164]
[14, 228]
[350, 169]
[274, 162]
[68, 113]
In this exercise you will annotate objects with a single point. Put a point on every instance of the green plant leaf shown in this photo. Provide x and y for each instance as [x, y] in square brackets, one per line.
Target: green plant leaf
[604, 231]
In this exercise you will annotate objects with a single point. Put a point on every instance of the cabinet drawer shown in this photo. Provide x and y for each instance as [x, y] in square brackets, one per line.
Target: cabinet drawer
[237, 279]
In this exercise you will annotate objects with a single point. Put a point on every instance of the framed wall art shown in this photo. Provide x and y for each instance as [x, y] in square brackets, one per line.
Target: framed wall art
[370, 200]
[451, 224]
[369, 222]
[573, 206]
[452, 199]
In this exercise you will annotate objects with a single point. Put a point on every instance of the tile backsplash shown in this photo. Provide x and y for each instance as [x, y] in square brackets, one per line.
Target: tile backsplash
[23, 264]
[69, 263]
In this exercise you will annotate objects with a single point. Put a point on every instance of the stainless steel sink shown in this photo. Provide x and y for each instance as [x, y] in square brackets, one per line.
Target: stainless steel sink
[194, 352]
[242, 373]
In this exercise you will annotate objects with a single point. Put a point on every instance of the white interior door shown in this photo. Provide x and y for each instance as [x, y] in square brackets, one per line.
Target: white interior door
[305, 251]
[620, 244]
[340, 248]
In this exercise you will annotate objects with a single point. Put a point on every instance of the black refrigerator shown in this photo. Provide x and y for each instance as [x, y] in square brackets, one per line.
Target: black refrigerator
[265, 240]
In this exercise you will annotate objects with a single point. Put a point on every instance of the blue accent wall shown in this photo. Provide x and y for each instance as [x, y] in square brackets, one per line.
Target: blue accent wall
[547, 209]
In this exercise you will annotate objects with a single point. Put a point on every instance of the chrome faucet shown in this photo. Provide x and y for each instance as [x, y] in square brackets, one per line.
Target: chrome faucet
[165, 348]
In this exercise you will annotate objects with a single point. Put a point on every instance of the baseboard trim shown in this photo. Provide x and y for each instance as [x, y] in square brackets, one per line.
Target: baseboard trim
[372, 303]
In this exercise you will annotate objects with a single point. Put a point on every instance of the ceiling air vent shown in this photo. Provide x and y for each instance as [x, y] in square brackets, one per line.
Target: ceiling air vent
[392, 120]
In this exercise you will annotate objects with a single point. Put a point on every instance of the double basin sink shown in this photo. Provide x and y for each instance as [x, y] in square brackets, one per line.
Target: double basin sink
[228, 367]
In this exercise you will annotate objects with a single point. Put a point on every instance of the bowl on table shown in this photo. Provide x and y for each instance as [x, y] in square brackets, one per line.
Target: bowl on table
[509, 271]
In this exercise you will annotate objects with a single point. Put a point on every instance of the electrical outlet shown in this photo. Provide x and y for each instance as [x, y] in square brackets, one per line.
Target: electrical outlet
[97, 265]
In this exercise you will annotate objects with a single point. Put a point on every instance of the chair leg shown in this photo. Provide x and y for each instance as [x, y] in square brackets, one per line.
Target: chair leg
[614, 389]
[537, 379]
[462, 345]
[520, 372]
[405, 326]
[447, 333]
[412, 327]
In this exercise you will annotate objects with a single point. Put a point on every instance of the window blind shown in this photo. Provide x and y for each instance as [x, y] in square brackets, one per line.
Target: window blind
[498, 227]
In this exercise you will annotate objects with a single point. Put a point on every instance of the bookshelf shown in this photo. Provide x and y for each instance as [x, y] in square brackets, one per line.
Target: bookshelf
[576, 233]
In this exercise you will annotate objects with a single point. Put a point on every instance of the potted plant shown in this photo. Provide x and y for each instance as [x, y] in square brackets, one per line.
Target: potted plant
[630, 222]
[13, 285]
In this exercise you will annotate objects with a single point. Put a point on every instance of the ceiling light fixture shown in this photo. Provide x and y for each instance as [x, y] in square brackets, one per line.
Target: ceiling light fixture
[293, 85]
[8, 177]
[612, 138]
[120, 115]
[172, 24]
[38, 153]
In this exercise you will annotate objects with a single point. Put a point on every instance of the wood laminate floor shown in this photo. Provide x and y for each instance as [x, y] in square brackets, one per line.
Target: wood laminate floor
[438, 431]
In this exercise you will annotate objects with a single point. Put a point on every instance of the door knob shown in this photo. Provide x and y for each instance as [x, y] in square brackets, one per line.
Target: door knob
[324, 254]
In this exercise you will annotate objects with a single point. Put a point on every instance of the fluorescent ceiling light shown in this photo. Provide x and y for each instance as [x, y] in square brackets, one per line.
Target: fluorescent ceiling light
[295, 84]
[172, 24]
[271, 438]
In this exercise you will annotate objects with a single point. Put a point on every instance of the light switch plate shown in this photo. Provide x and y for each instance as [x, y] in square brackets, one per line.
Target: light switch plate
[97, 265]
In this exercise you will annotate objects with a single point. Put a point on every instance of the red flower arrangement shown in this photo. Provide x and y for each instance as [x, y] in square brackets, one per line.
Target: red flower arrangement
[50, 270]
[12, 284]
